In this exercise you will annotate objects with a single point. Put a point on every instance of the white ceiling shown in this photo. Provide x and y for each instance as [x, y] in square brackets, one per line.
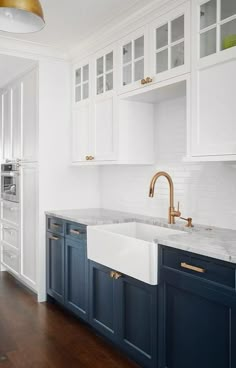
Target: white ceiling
[11, 67]
[68, 22]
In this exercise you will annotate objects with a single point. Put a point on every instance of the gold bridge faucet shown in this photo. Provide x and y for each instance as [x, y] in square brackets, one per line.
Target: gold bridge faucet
[172, 211]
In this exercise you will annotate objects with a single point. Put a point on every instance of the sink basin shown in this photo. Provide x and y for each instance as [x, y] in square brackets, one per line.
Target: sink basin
[128, 248]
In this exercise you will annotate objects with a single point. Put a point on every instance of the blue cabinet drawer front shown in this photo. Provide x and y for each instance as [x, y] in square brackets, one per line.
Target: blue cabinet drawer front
[200, 266]
[76, 231]
[55, 225]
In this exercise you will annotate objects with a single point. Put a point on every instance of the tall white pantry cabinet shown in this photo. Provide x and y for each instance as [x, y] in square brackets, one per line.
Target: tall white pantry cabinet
[19, 131]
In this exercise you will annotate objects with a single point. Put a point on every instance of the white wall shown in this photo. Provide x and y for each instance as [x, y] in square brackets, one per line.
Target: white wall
[60, 185]
[206, 191]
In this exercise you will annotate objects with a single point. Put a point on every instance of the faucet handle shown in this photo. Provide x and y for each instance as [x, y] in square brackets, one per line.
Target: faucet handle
[175, 213]
[178, 213]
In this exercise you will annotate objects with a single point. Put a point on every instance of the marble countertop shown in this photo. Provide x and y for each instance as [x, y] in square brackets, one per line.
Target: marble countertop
[209, 241]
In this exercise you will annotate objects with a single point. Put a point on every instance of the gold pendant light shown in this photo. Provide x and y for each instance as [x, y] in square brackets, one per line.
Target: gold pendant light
[21, 16]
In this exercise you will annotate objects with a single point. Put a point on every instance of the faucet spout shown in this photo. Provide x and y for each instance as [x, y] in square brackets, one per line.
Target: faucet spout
[172, 213]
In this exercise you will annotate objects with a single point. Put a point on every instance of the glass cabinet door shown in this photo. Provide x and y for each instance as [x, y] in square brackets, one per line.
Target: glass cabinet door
[82, 83]
[104, 73]
[170, 45]
[133, 61]
[217, 26]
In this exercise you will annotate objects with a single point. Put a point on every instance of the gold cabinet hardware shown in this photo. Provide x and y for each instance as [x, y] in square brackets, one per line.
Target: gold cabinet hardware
[143, 81]
[117, 275]
[112, 274]
[192, 268]
[89, 158]
[54, 238]
[74, 231]
[148, 80]
[56, 225]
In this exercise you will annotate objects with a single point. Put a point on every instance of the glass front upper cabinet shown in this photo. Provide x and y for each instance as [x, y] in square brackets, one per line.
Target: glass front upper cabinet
[82, 83]
[133, 61]
[170, 45]
[104, 73]
[217, 26]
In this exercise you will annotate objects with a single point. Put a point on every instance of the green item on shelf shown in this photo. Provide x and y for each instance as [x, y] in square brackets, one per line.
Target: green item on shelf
[229, 41]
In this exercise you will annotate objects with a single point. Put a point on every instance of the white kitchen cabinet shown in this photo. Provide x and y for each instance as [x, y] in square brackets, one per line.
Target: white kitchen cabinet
[170, 44]
[19, 119]
[10, 213]
[105, 69]
[156, 52]
[93, 132]
[81, 82]
[133, 60]
[7, 125]
[212, 133]
[94, 117]
[81, 137]
[29, 134]
[104, 129]
[29, 221]
[16, 109]
[1, 126]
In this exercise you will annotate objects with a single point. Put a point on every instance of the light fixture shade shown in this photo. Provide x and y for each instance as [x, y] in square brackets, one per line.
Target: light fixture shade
[21, 16]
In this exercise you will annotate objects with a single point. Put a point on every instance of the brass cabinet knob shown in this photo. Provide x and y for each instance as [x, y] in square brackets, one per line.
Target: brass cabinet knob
[143, 81]
[89, 158]
[148, 80]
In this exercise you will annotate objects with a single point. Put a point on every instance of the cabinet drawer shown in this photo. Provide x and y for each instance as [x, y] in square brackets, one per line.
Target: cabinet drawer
[55, 225]
[10, 259]
[76, 231]
[200, 266]
[10, 212]
[10, 236]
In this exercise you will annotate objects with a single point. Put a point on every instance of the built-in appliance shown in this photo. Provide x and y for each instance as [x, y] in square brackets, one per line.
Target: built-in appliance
[10, 182]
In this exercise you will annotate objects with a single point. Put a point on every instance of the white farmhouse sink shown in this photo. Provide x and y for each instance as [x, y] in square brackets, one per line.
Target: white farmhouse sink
[128, 248]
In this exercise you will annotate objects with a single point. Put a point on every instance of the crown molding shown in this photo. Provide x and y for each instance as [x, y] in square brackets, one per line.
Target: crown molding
[111, 32]
[30, 50]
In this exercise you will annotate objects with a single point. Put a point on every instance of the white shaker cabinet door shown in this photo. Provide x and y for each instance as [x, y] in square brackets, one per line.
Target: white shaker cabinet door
[213, 110]
[81, 133]
[7, 127]
[29, 221]
[1, 126]
[16, 121]
[104, 129]
[29, 117]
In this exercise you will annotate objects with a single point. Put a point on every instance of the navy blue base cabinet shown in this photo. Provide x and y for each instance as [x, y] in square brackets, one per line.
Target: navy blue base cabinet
[76, 277]
[67, 265]
[55, 266]
[125, 311]
[197, 311]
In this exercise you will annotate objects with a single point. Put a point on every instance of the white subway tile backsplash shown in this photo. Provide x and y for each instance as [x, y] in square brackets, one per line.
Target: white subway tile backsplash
[206, 191]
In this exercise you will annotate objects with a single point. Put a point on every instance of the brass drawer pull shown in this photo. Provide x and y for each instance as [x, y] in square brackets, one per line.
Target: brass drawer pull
[192, 268]
[112, 274]
[73, 231]
[54, 238]
[56, 225]
[143, 81]
[117, 275]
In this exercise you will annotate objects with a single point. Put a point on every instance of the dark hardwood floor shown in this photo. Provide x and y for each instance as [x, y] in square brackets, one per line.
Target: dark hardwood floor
[44, 336]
